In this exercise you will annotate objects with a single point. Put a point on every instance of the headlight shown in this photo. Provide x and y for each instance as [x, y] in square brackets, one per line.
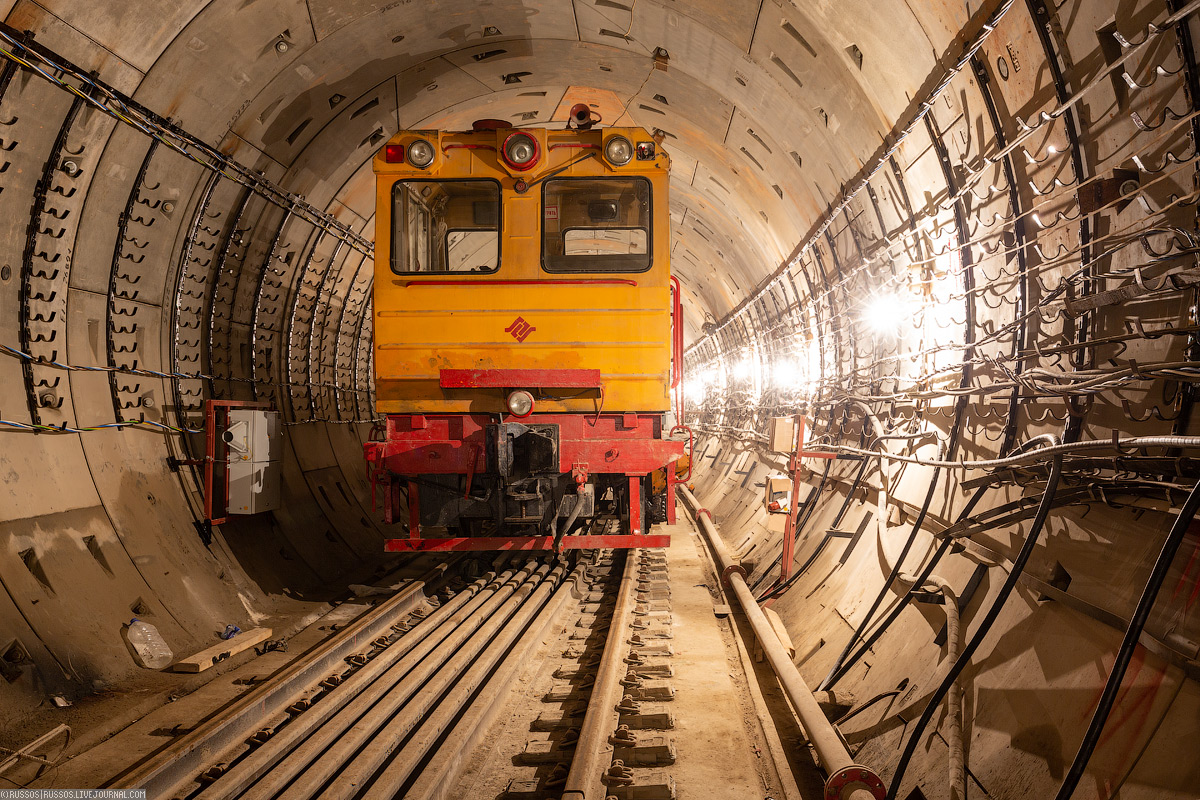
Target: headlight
[520, 151]
[420, 153]
[618, 151]
[520, 403]
[645, 151]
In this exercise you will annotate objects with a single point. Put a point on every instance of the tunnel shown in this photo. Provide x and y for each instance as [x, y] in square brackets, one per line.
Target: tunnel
[936, 305]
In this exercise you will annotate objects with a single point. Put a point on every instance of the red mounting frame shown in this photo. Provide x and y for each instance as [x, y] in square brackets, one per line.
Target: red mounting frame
[216, 487]
[794, 470]
[455, 444]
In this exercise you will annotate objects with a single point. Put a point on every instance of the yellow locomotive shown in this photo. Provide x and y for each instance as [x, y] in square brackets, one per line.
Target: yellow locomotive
[526, 337]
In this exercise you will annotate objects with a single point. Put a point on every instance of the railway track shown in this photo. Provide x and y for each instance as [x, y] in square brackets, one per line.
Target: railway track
[368, 730]
[542, 678]
[596, 714]
[402, 713]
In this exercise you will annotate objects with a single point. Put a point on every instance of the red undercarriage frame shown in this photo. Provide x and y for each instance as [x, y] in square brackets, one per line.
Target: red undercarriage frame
[454, 444]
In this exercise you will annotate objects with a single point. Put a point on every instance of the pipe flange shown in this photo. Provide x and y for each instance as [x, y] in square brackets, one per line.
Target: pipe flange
[855, 775]
[732, 568]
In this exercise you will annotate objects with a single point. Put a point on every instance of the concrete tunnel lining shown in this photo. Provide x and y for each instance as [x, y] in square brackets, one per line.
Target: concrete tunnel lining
[771, 111]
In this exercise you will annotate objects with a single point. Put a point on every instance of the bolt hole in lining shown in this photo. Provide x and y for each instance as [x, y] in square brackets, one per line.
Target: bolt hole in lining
[32, 563]
[12, 658]
[97, 553]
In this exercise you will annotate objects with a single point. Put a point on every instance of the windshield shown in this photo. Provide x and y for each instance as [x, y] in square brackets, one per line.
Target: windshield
[596, 225]
[445, 226]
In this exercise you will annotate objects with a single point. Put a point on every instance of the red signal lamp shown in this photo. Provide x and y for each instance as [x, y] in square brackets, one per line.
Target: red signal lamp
[520, 151]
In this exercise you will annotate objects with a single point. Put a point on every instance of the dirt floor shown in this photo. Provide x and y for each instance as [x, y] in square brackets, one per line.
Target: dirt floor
[720, 746]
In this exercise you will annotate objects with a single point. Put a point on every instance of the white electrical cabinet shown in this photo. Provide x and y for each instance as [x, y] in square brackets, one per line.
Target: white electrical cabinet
[252, 442]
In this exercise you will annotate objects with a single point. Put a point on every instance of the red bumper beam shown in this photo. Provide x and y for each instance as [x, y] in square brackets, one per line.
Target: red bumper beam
[596, 541]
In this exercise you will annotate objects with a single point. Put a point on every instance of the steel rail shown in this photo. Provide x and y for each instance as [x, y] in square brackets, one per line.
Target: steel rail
[293, 754]
[847, 780]
[599, 721]
[179, 763]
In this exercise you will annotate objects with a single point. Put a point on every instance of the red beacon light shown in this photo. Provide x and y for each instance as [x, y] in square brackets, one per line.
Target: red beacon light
[490, 125]
[520, 151]
[393, 153]
[581, 115]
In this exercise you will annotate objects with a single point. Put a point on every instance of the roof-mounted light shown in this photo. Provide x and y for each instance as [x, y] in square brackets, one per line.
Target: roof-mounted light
[520, 151]
[393, 153]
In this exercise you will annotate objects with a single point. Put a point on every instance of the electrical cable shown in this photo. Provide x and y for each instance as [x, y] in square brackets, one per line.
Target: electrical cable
[1137, 622]
[807, 508]
[109, 101]
[891, 578]
[775, 591]
[780, 588]
[64, 428]
[985, 625]
[893, 142]
[1115, 443]
[1128, 236]
[151, 373]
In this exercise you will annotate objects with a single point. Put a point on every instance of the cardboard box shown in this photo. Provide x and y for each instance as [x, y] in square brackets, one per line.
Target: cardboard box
[783, 434]
[779, 489]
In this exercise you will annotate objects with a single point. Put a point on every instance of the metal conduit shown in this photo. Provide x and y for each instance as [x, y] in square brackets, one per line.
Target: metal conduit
[340, 764]
[847, 780]
[405, 761]
[377, 750]
[175, 766]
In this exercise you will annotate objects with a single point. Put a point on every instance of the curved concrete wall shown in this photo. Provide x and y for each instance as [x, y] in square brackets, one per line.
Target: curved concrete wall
[774, 113]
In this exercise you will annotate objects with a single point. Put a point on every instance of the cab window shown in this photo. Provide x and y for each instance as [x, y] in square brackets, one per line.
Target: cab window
[445, 226]
[596, 225]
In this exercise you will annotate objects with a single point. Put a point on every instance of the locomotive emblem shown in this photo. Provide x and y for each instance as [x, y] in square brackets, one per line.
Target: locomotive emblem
[520, 329]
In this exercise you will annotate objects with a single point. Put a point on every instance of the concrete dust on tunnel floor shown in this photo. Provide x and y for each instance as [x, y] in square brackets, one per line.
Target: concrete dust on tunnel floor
[719, 740]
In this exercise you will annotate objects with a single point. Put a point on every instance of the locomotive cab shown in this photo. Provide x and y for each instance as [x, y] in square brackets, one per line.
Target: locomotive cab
[523, 347]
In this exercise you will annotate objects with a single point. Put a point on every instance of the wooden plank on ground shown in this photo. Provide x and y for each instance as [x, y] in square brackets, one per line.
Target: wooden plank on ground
[219, 652]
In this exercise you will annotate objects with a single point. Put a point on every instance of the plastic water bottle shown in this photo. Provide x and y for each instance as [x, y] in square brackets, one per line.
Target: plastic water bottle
[149, 649]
